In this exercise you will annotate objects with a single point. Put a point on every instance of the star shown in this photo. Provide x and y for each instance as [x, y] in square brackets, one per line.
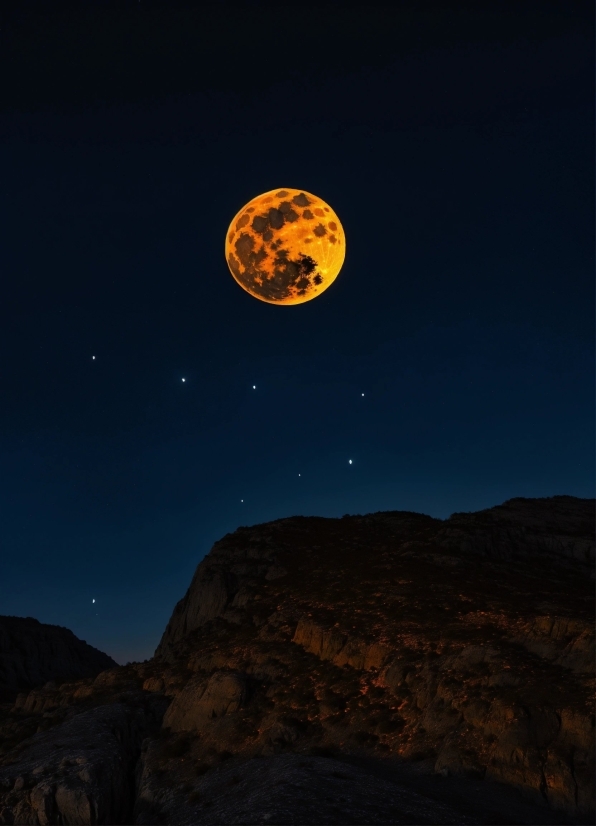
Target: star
[242, 500]
[254, 387]
[93, 357]
[349, 461]
[363, 394]
[92, 600]
[183, 379]
[298, 474]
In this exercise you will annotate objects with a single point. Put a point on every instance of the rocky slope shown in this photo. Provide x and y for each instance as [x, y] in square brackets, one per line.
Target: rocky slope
[33, 653]
[387, 668]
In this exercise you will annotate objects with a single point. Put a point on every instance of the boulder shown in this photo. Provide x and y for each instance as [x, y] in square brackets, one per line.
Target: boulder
[201, 701]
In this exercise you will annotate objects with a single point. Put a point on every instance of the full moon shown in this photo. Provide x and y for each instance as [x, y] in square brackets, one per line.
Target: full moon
[285, 246]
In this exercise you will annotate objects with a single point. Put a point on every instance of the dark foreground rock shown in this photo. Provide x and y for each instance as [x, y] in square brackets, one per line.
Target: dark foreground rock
[388, 668]
[82, 771]
[33, 653]
[305, 788]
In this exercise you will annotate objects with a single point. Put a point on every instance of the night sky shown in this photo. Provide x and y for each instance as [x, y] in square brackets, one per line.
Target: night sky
[454, 141]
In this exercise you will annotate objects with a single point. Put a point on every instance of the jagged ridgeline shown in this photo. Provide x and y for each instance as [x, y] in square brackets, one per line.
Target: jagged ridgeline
[391, 666]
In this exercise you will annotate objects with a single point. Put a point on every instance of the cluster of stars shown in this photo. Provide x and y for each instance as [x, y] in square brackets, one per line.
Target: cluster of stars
[254, 387]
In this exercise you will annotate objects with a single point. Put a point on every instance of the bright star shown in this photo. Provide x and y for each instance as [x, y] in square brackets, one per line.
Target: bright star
[93, 357]
[254, 387]
[363, 394]
[242, 500]
[92, 600]
[183, 379]
[350, 461]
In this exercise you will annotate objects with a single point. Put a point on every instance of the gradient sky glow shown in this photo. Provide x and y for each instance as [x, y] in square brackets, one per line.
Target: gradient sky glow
[451, 361]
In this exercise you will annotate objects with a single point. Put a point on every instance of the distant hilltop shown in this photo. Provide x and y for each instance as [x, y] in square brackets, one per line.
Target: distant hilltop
[32, 653]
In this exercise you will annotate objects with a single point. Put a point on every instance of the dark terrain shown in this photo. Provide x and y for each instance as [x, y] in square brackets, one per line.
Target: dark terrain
[387, 668]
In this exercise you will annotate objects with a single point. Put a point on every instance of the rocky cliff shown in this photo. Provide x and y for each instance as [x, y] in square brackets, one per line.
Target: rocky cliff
[387, 668]
[33, 653]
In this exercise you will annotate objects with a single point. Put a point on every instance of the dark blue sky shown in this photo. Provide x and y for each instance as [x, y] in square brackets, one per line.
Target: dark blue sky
[456, 146]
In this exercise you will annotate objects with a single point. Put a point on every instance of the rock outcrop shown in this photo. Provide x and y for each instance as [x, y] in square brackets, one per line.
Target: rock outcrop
[465, 644]
[223, 582]
[33, 653]
[202, 700]
[387, 668]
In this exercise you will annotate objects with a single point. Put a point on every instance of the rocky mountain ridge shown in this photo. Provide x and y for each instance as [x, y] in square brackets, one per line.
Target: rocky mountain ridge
[381, 656]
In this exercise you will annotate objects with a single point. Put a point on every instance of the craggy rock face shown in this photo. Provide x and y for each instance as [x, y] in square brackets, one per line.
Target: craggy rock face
[285, 246]
[465, 644]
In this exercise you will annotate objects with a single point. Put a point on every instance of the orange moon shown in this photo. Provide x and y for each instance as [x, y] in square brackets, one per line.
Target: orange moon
[285, 246]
